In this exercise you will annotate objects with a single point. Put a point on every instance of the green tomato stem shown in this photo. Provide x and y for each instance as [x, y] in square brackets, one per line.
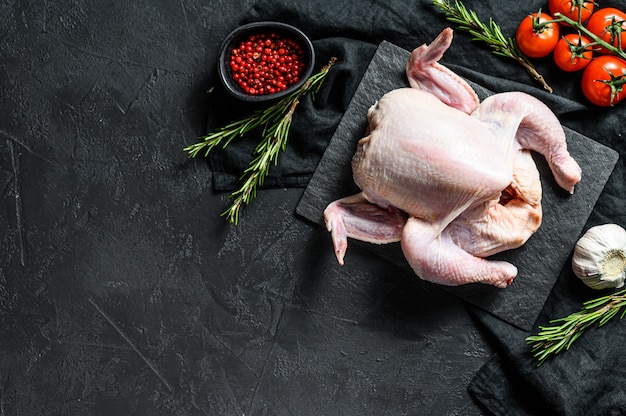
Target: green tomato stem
[596, 39]
[538, 26]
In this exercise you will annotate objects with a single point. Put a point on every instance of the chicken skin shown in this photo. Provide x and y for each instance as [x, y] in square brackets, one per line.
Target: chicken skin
[451, 178]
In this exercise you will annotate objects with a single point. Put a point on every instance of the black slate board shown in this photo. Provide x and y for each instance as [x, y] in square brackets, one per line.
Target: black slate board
[539, 261]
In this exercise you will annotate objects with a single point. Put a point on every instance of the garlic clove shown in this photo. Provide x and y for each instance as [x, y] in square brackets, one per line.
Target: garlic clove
[599, 258]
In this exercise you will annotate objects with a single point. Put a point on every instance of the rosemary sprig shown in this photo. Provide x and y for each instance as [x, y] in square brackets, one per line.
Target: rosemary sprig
[274, 140]
[224, 135]
[491, 34]
[550, 340]
[276, 123]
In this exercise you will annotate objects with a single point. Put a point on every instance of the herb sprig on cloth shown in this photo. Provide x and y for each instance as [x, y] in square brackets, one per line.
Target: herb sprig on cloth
[276, 123]
[550, 340]
[490, 34]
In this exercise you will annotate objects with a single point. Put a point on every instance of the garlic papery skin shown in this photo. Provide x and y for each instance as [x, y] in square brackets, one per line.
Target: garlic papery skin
[600, 257]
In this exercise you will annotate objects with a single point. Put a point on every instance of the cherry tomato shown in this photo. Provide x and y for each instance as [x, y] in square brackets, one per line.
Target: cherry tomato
[535, 36]
[572, 9]
[603, 79]
[572, 53]
[609, 24]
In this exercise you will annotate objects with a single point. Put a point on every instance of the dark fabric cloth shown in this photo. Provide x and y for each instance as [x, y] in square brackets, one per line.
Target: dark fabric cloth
[313, 123]
[589, 378]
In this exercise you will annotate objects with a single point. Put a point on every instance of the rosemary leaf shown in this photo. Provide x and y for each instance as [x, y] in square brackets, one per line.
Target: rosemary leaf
[572, 339]
[594, 303]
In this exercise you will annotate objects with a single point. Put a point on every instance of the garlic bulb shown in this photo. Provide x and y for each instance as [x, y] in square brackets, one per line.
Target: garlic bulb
[600, 257]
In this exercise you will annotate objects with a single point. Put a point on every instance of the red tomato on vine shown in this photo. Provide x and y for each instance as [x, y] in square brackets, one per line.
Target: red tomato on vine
[536, 35]
[574, 9]
[572, 52]
[609, 24]
[603, 80]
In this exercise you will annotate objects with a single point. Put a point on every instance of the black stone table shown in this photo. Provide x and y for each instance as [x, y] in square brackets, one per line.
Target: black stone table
[123, 291]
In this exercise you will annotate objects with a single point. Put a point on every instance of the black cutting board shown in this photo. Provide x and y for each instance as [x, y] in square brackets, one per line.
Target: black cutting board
[539, 261]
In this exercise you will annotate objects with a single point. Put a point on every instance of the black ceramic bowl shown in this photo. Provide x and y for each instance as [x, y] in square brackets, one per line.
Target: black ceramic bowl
[242, 33]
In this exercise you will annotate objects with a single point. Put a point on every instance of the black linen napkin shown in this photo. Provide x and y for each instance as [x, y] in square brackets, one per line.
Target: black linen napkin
[588, 378]
[313, 123]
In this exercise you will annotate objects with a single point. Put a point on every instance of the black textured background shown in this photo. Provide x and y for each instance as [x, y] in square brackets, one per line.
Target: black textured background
[122, 291]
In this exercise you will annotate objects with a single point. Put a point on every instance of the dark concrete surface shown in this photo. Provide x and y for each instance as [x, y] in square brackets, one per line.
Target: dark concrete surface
[122, 290]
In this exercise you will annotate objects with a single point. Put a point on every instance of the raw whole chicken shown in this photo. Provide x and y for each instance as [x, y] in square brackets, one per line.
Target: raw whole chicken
[451, 178]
